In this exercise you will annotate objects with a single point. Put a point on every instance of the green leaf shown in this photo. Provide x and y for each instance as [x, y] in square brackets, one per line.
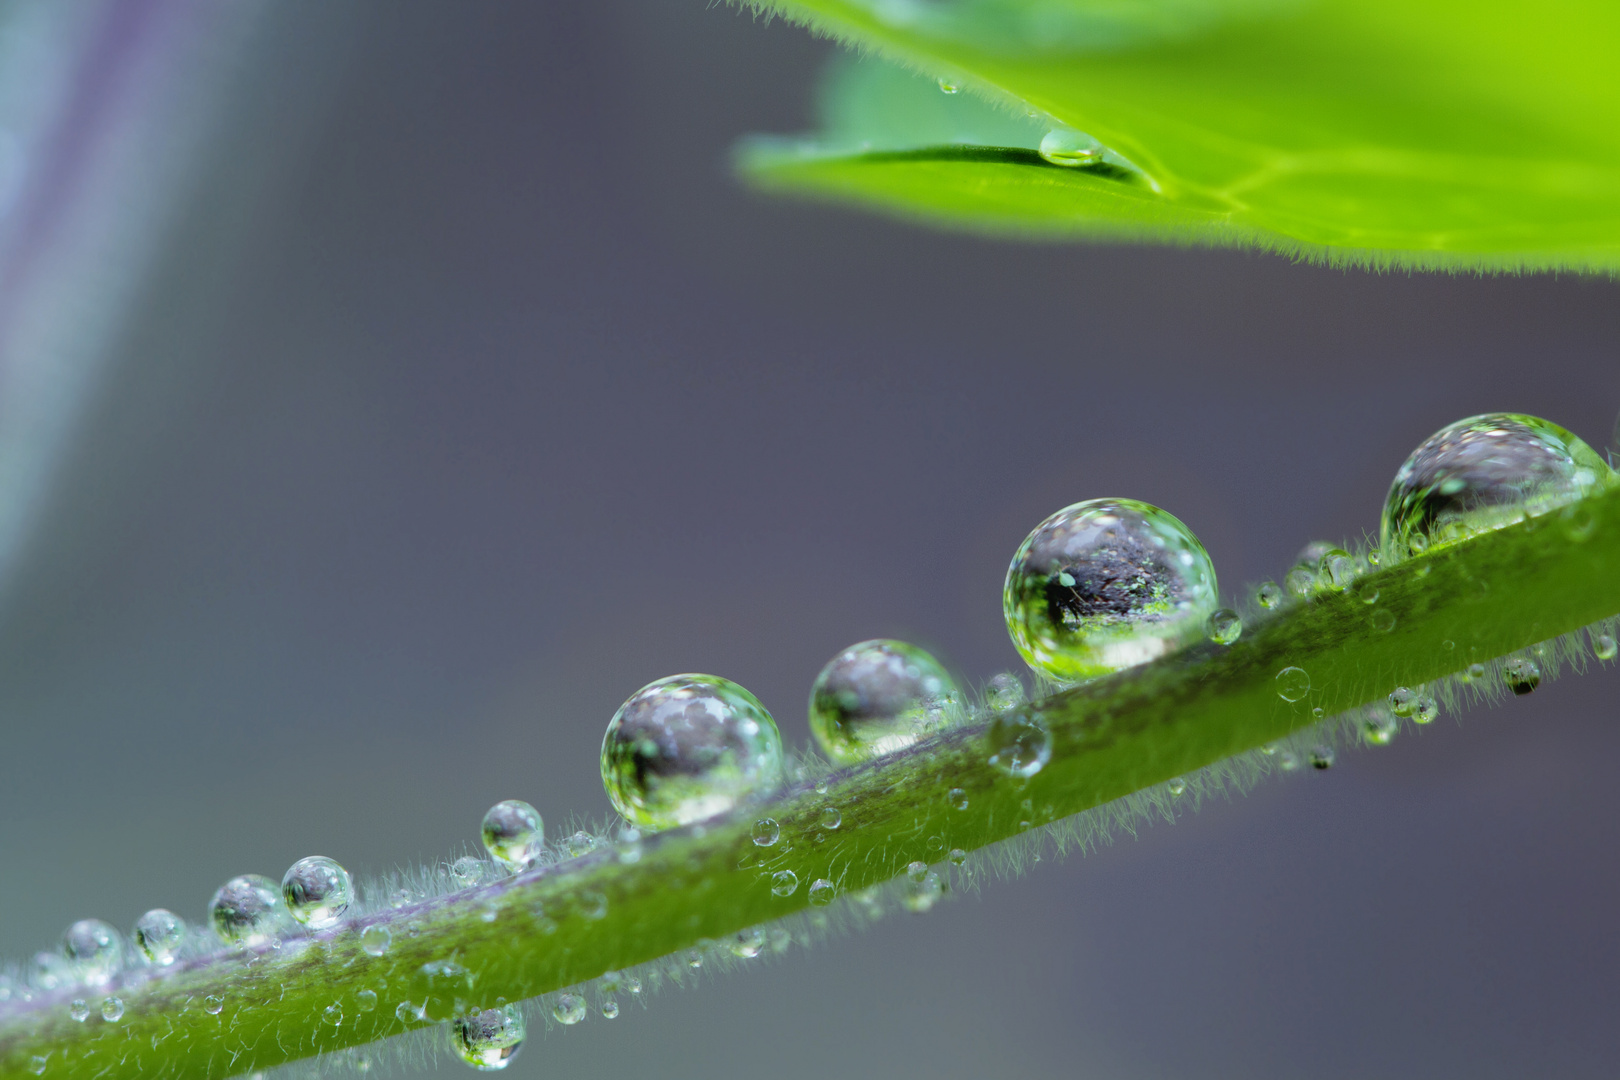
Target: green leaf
[1428, 133]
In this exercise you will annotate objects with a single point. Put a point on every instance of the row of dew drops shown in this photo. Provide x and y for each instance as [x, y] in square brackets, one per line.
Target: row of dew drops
[1097, 587]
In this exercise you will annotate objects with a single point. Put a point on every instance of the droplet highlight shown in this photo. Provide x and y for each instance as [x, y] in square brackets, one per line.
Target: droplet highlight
[1104, 585]
[877, 697]
[686, 748]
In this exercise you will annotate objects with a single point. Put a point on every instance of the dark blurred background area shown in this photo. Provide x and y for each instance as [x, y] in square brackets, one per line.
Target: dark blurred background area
[469, 392]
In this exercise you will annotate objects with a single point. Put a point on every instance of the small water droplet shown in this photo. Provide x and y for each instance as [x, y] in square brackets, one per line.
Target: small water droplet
[957, 798]
[1379, 729]
[333, 1014]
[1003, 692]
[468, 871]
[1484, 473]
[632, 985]
[1287, 760]
[748, 943]
[916, 871]
[400, 898]
[212, 1004]
[95, 951]
[408, 1013]
[1177, 787]
[821, 786]
[248, 910]
[489, 1039]
[1318, 712]
[822, 892]
[1268, 595]
[766, 832]
[375, 940]
[513, 834]
[610, 1009]
[1402, 700]
[1140, 586]
[831, 818]
[1322, 757]
[1224, 626]
[1367, 592]
[79, 1009]
[569, 1009]
[1522, 675]
[112, 1010]
[1293, 684]
[877, 697]
[593, 905]
[1337, 569]
[1070, 148]
[1019, 745]
[1382, 620]
[686, 748]
[1604, 647]
[159, 935]
[36, 1065]
[957, 856]
[317, 891]
[784, 882]
[922, 893]
[1300, 581]
[365, 1000]
[1476, 671]
[1425, 709]
[947, 85]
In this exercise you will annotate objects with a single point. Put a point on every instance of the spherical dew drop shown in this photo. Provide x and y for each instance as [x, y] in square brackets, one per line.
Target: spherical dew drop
[877, 697]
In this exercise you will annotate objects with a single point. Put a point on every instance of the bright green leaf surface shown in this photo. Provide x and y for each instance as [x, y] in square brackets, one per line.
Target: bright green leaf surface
[1426, 133]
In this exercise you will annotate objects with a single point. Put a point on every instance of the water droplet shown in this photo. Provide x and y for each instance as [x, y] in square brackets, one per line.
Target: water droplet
[1476, 671]
[1003, 692]
[784, 882]
[1337, 569]
[1604, 647]
[399, 898]
[1367, 592]
[513, 834]
[878, 697]
[159, 935]
[1318, 712]
[333, 1014]
[831, 818]
[610, 1009]
[365, 1000]
[79, 1009]
[212, 1004]
[748, 943]
[248, 910]
[408, 1013]
[95, 950]
[1104, 585]
[1322, 757]
[1268, 595]
[957, 798]
[112, 1010]
[1402, 700]
[766, 832]
[1287, 760]
[1483, 473]
[1070, 148]
[1019, 745]
[1224, 626]
[947, 85]
[1293, 684]
[1300, 581]
[593, 905]
[922, 893]
[1425, 709]
[822, 892]
[317, 891]
[468, 871]
[579, 843]
[569, 1010]
[36, 1065]
[1177, 787]
[686, 748]
[1522, 675]
[489, 1039]
[957, 856]
[375, 940]
[916, 870]
[1382, 620]
[632, 985]
[1380, 730]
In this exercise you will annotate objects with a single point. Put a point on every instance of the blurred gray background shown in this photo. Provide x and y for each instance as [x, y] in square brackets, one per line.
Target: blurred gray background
[471, 393]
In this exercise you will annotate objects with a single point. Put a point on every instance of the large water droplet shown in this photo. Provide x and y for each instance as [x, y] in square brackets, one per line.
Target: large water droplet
[1070, 148]
[766, 832]
[1003, 692]
[877, 697]
[159, 935]
[1106, 584]
[569, 1010]
[95, 950]
[513, 834]
[1293, 684]
[1522, 675]
[689, 747]
[784, 882]
[1018, 745]
[1483, 473]
[1224, 626]
[1604, 647]
[249, 910]
[375, 940]
[490, 1039]
[317, 891]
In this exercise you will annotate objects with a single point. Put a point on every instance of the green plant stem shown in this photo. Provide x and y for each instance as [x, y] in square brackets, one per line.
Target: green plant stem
[560, 925]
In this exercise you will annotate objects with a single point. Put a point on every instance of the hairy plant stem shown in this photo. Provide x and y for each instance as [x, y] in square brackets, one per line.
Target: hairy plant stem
[559, 925]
